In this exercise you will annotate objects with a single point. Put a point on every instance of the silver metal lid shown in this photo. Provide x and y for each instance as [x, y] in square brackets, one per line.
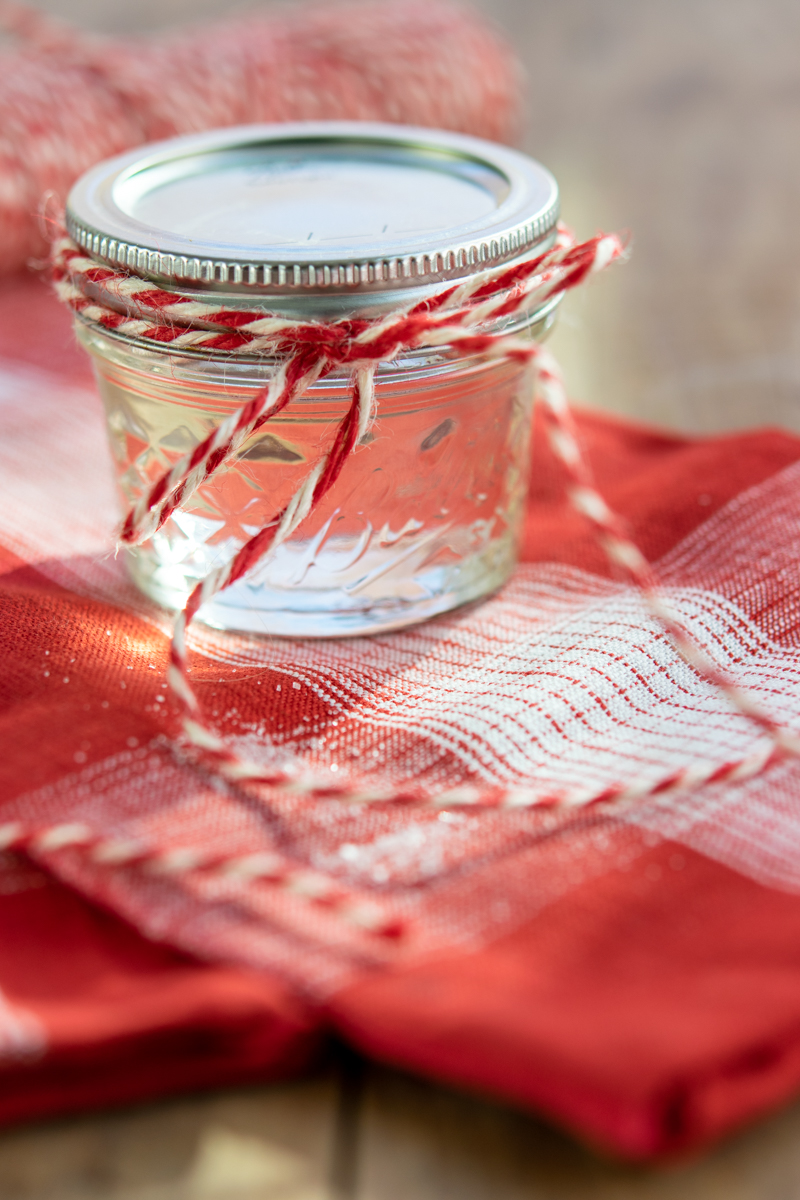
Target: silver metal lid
[314, 208]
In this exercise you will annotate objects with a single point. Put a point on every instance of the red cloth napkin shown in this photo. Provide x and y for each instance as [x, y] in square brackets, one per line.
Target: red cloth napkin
[633, 972]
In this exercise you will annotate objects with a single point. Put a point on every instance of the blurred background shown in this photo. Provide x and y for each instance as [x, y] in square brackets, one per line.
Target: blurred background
[680, 122]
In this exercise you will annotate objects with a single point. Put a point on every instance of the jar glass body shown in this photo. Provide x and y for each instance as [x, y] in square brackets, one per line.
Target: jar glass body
[426, 514]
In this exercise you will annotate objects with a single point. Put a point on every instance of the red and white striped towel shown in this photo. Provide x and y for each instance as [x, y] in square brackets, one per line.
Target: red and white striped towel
[562, 678]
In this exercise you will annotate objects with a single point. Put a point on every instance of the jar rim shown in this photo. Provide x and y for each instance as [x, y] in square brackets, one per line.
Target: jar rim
[190, 213]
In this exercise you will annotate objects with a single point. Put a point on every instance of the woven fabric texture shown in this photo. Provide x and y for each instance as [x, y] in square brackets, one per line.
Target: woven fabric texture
[561, 677]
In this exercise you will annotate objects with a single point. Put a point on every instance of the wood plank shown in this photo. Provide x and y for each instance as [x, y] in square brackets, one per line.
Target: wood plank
[414, 1141]
[421, 1142]
[269, 1143]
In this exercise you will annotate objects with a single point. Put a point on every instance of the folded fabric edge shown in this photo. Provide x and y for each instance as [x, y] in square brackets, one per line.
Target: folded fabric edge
[661, 1060]
[93, 1015]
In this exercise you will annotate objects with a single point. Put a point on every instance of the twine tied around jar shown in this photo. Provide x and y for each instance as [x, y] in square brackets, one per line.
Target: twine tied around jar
[306, 351]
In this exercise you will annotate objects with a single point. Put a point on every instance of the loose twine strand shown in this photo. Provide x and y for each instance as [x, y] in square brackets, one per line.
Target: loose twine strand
[308, 351]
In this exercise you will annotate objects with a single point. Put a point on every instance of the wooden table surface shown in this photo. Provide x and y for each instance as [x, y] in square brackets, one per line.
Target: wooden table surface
[679, 121]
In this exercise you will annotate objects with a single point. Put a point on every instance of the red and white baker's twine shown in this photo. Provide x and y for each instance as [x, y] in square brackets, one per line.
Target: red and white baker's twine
[306, 352]
[309, 887]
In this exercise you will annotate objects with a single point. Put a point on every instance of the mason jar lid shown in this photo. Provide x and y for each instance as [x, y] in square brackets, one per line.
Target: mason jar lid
[313, 209]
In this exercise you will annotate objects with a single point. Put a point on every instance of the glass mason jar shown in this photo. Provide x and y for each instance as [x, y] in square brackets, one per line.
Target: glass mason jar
[428, 509]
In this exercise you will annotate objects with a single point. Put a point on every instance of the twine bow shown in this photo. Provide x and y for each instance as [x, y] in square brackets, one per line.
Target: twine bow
[308, 351]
